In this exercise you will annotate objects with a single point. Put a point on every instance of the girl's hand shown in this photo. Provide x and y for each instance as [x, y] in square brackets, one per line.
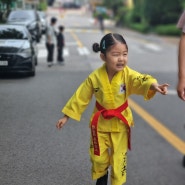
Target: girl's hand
[163, 88]
[61, 122]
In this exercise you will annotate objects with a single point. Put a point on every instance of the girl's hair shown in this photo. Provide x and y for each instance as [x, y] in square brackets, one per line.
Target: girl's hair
[107, 41]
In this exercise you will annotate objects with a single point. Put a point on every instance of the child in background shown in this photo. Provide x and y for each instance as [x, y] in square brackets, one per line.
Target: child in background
[60, 45]
[111, 120]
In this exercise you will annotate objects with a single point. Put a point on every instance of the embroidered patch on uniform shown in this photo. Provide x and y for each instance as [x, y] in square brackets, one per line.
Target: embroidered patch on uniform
[124, 164]
[122, 88]
[96, 89]
[143, 78]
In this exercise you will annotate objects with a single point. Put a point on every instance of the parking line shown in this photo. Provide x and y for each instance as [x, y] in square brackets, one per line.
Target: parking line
[174, 140]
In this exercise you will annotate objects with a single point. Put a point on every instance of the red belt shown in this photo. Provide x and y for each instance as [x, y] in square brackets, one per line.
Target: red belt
[107, 114]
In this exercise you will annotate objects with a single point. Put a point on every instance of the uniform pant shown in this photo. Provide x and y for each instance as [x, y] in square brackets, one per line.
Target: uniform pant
[113, 152]
[50, 49]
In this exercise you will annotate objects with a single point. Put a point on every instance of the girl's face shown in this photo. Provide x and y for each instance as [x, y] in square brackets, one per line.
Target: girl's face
[116, 58]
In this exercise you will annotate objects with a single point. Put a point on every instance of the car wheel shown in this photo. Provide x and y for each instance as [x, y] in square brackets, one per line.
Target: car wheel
[32, 73]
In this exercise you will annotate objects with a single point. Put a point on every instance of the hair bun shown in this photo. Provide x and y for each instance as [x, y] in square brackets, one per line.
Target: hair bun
[96, 47]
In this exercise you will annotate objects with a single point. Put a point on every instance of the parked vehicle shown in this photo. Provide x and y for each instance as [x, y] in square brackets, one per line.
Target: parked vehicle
[30, 19]
[42, 16]
[50, 2]
[70, 5]
[18, 51]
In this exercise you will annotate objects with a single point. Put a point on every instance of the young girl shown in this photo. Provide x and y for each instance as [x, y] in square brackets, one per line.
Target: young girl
[111, 119]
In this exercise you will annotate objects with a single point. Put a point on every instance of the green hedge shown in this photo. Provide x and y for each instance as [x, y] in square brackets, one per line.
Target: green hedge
[139, 27]
[169, 29]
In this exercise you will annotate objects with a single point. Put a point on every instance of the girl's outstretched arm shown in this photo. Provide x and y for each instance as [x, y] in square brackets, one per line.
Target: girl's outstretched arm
[61, 122]
[161, 88]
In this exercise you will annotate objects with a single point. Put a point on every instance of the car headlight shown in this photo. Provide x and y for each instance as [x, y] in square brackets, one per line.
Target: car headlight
[25, 51]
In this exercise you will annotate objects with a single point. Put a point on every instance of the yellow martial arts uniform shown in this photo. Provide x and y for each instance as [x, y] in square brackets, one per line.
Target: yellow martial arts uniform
[112, 133]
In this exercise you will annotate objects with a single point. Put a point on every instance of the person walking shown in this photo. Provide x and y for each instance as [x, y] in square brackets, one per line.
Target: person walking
[51, 40]
[181, 63]
[101, 21]
[111, 120]
[60, 45]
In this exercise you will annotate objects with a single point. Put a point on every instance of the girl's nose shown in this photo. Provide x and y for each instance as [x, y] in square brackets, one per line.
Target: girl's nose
[120, 58]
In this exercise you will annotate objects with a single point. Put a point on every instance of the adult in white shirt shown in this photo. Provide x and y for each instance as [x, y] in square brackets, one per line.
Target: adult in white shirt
[51, 40]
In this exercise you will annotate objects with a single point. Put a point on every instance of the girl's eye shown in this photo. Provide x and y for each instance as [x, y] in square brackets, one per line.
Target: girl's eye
[116, 54]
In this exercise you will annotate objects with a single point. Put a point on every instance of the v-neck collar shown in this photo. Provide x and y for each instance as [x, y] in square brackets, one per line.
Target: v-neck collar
[107, 81]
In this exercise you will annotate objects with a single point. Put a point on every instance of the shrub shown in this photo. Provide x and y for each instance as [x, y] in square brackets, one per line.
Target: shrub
[140, 27]
[169, 29]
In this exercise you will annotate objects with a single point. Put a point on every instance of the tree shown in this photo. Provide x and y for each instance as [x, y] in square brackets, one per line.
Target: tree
[161, 11]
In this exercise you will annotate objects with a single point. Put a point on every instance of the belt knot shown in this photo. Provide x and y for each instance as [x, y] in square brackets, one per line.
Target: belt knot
[108, 114]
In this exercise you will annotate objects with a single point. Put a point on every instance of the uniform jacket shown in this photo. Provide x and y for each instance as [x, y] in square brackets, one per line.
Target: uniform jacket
[109, 95]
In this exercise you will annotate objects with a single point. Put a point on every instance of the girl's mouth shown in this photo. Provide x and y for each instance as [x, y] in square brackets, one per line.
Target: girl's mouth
[120, 65]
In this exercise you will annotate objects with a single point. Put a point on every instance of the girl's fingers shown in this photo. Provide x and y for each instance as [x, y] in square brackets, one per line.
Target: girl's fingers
[59, 124]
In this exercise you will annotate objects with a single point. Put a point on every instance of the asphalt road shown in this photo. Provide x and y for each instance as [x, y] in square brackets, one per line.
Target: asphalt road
[34, 152]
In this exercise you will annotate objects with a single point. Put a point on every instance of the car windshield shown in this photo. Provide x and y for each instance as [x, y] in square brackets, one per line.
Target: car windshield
[21, 15]
[12, 33]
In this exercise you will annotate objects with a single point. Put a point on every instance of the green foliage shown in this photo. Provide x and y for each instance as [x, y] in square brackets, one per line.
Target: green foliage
[143, 28]
[159, 16]
[137, 13]
[120, 17]
[169, 29]
[161, 12]
[128, 18]
[43, 6]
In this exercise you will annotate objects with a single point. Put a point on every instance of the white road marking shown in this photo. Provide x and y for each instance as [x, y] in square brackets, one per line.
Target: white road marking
[42, 53]
[71, 43]
[83, 51]
[172, 92]
[66, 52]
[153, 47]
[137, 49]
